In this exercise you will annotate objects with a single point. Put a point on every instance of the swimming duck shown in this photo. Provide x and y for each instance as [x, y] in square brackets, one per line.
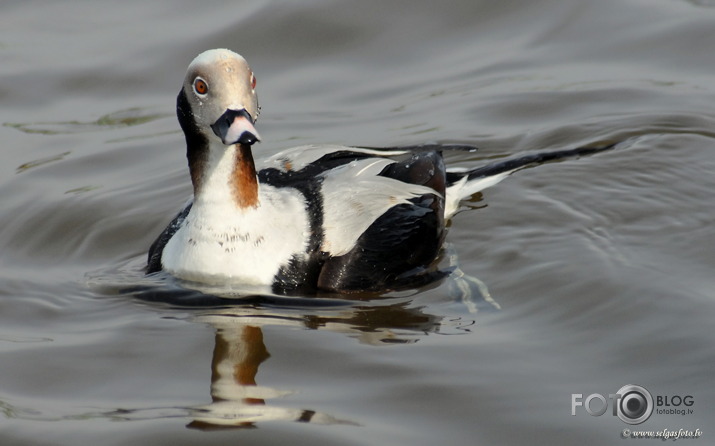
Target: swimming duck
[317, 217]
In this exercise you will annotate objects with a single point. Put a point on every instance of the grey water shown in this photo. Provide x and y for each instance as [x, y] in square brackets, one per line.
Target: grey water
[599, 270]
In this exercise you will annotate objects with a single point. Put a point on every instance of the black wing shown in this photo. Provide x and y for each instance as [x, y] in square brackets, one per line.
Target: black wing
[398, 248]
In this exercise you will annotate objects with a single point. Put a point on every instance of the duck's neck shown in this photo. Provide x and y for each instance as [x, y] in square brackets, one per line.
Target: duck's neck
[225, 175]
[244, 183]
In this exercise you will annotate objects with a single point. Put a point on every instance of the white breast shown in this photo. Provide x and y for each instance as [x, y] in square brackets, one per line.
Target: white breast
[224, 244]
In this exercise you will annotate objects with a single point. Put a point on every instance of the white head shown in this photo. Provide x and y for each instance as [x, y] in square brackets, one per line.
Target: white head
[218, 98]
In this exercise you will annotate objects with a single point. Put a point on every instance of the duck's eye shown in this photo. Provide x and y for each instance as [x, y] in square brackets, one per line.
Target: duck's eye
[200, 86]
[253, 81]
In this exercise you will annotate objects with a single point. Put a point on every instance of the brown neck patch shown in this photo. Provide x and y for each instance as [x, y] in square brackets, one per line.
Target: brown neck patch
[244, 183]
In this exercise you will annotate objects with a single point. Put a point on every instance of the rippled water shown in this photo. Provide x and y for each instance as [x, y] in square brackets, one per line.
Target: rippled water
[601, 269]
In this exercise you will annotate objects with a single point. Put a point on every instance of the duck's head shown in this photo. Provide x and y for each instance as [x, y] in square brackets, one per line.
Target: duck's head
[218, 99]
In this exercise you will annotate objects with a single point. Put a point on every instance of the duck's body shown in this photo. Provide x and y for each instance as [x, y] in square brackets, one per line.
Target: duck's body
[334, 218]
[347, 219]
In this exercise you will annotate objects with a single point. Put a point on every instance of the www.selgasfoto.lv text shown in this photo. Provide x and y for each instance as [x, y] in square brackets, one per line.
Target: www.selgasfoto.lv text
[665, 434]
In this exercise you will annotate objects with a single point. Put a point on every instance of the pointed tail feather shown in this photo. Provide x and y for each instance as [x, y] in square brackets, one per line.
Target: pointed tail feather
[464, 184]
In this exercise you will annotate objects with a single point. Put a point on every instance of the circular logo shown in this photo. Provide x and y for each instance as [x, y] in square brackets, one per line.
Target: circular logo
[635, 404]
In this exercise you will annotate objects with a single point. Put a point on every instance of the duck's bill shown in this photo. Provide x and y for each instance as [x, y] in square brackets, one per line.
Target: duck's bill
[236, 127]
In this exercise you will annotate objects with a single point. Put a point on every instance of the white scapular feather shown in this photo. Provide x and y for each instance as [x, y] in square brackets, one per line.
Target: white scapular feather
[354, 197]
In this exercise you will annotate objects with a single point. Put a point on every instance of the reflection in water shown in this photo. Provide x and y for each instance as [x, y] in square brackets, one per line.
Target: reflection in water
[238, 400]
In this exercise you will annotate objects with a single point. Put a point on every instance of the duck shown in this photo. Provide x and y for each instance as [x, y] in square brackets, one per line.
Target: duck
[326, 218]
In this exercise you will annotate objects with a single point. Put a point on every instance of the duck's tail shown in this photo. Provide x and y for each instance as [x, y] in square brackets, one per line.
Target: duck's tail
[462, 184]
